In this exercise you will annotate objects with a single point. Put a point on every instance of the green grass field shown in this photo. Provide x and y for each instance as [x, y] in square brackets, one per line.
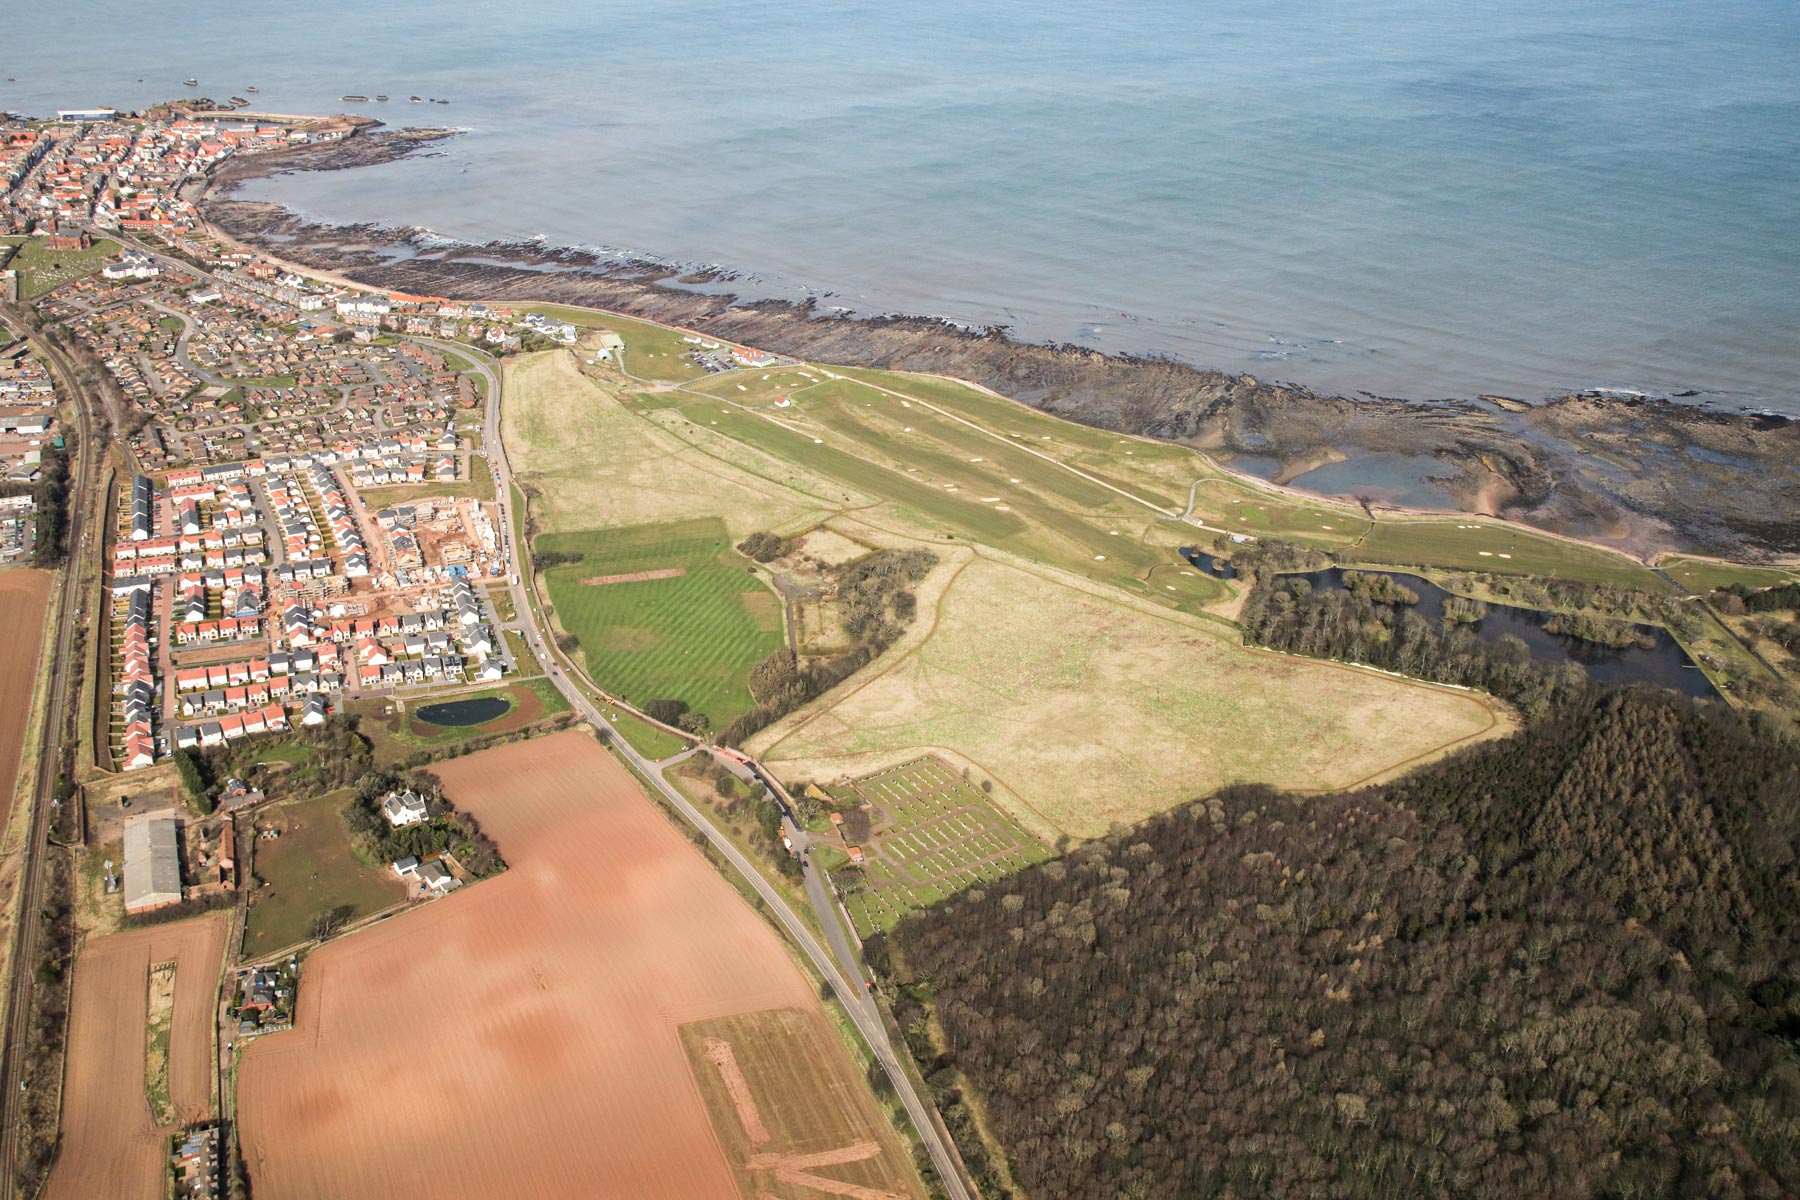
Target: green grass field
[950, 482]
[395, 735]
[1487, 546]
[651, 351]
[309, 869]
[1700, 575]
[42, 269]
[646, 739]
[693, 637]
[932, 835]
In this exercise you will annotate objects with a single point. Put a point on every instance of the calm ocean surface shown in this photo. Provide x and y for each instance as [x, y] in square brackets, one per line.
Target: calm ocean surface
[1405, 196]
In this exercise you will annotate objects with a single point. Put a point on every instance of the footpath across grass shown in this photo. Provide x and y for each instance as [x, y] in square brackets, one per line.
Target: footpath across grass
[690, 631]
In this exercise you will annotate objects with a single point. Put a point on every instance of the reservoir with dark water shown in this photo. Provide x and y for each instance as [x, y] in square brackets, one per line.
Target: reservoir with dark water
[477, 710]
[1663, 662]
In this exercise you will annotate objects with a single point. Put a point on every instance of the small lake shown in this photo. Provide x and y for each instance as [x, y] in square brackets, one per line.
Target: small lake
[1211, 564]
[1405, 479]
[477, 710]
[1664, 663]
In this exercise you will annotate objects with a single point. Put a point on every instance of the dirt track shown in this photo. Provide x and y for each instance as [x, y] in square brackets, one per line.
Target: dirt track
[519, 1038]
[23, 596]
[110, 1147]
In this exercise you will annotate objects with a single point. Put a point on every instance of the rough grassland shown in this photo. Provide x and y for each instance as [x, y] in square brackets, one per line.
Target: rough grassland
[594, 464]
[787, 1104]
[309, 869]
[692, 637]
[23, 595]
[520, 1037]
[110, 1146]
[1087, 711]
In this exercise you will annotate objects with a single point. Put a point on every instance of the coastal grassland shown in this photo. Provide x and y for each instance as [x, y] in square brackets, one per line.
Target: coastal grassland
[308, 870]
[1489, 546]
[653, 352]
[787, 1103]
[927, 833]
[592, 462]
[1085, 708]
[1170, 473]
[690, 637]
[42, 269]
[1704, 575]
[941, 481]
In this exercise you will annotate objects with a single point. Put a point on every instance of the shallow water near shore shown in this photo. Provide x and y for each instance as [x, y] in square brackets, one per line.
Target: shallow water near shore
[1399, 197]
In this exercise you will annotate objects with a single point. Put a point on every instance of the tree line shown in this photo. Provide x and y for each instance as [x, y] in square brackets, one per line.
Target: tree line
[875, 604]
[1559, 965]
[1287, 613]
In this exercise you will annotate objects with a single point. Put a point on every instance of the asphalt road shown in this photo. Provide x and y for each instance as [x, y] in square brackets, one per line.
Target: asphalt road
[840, 969]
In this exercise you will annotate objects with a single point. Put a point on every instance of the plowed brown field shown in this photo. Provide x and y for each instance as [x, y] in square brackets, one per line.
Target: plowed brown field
[23, 595]
[519, 1038]
[110, 1145]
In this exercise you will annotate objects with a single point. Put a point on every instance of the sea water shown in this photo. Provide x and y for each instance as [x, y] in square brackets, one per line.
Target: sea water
[1404, 197]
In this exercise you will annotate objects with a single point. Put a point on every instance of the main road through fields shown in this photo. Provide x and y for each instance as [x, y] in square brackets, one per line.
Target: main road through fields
[850, 988]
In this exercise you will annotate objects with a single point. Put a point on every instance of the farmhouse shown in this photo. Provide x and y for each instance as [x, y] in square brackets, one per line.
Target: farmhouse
[152, 862]
[404, 808]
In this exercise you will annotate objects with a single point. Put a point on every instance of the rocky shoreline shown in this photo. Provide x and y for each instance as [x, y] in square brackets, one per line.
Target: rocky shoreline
[1643, 474]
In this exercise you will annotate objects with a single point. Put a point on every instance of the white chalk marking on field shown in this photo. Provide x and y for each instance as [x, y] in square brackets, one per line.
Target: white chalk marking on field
[1099, 558]
[905, 404]
[1506, 556]
[908, 429]
[989, 499]
[818, 441]
[1002, 508]
[1015, 481]
[1114, 532]
[1485, 553]
[742, 388]
[974, 460]
[1170, 586]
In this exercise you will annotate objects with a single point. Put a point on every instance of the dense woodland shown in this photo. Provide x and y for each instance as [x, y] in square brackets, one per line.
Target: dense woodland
[1561, 965]
[1375, 625]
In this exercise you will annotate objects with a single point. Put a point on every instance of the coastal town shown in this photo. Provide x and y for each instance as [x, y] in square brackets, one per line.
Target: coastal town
[744, 677]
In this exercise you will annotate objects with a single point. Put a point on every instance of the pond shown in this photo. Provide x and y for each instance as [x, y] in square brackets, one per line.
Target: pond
[1663, 663]
[1212, 564]
[1410, 480]
[476, 710]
